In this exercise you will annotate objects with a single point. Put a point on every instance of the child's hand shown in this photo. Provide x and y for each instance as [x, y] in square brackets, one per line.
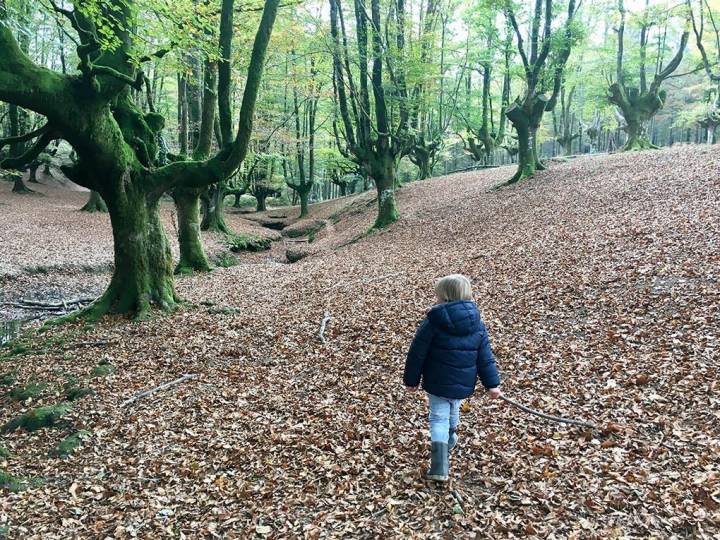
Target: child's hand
[494, 393]
[411, 388]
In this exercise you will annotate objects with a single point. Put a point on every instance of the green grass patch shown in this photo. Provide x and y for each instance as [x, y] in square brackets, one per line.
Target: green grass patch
[103, 369]
[4, 452]
[248, 242]
[69, 444]
[11, 483]
[9, 378]
[73, 393]
[32, 390]
[38, 418]
[226, 260]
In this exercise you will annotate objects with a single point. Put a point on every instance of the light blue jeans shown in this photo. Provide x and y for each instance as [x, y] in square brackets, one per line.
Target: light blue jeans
[444, 414]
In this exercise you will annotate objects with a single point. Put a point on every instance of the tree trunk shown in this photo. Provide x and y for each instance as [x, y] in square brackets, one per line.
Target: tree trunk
[34, 166]
[20, 187]
[383, 172]
[192, 255]
[637, 134]
[214, 218]
[95, 203]
[143, 272]
[260, 207]
[304, 210]
[534, 147]
[236, 204]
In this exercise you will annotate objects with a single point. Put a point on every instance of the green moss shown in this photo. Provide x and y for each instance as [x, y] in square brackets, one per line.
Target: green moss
[4, 452]
[11, 483]
[32, 390]
[103, 369]
[226, 260]
[248, 242]
[76, 392]
[38, 418]
[69, 444]
[6, 379]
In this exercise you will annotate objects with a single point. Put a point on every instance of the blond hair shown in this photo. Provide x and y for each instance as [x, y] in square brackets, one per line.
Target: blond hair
[453, 287]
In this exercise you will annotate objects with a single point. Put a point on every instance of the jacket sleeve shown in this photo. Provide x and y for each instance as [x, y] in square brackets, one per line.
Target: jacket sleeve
[418, 354]
[486, 367]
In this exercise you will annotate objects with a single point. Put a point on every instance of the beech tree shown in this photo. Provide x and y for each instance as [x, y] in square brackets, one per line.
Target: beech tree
[639, 103]
[116, 143]
[376, 137]
[711, 119]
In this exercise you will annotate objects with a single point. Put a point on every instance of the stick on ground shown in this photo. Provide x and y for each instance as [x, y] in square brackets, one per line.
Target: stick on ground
[324, 322]
[548, 416]
[163, 386]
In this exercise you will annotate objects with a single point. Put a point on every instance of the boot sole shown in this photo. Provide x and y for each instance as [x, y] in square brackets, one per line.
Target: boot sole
[436, 477]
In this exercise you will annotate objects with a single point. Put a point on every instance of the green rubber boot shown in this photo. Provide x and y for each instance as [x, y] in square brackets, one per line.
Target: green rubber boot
[438, 462]
[452, 439]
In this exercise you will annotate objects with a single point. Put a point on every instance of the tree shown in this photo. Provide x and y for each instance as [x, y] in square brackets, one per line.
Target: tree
[638, 104]
[375, 138]
[263, 178]
[481, 140]
[305, 129]
[116, 143]
[526, 112]
[566, 127]
[711, 118]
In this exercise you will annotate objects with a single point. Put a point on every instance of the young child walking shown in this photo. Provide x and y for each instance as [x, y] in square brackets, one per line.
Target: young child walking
[450, 351]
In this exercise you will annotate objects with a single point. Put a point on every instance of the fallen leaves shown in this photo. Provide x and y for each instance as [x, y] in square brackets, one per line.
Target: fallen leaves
[599, 285]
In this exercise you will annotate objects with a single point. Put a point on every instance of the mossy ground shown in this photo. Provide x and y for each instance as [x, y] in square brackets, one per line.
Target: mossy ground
[38, 418]
[69, 444]
[248, 242]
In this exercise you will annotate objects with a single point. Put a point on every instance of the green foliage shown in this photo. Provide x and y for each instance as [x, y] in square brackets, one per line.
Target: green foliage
[247, 242]
[69, 444]
[32, 390]
[4, 452]
[11, 483]
[38, 418]
[73, 390]
[226, 260]
[7, 379]
[103, 369]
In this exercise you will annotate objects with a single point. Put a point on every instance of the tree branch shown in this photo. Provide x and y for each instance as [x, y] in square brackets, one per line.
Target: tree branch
[22, 138]
[31, 153]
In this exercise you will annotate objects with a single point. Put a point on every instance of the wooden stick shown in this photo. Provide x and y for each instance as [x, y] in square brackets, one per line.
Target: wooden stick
[324, 322]
[548, 416]
[163, 386]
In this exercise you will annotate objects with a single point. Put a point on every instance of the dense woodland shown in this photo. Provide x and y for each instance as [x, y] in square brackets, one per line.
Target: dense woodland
[211, 103]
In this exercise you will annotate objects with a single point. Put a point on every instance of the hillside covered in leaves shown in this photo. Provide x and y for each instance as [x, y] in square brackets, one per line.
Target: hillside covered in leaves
[598, 281]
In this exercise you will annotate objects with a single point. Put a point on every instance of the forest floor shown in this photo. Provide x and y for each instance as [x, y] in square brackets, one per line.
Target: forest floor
[598, 281]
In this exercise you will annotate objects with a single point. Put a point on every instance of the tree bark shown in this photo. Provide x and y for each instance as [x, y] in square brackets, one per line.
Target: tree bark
[95, 203]
[192, 254]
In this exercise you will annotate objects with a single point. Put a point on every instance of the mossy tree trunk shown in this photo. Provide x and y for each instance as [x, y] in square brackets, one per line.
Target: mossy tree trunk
[192, 254]
[304, 194]
[117, 145]
[383, 170]
[214, 211]
[95, 203]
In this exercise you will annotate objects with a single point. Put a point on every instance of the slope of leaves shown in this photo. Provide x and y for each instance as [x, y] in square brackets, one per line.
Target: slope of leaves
[598, 282]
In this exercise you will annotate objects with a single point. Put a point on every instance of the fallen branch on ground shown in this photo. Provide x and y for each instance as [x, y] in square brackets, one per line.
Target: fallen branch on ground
[186, 377]
[548, 416]
[324, 322]
[61, 304]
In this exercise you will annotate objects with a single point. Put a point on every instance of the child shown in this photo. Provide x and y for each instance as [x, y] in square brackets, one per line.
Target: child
[450, 351]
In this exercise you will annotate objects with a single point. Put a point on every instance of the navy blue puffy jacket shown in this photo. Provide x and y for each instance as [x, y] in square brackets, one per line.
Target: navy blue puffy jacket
[451, 350]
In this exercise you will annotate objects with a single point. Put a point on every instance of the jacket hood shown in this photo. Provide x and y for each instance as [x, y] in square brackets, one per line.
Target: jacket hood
[457, 318]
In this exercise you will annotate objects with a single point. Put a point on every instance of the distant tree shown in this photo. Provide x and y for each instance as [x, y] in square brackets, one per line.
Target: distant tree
[638, 104]
[526, 112]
